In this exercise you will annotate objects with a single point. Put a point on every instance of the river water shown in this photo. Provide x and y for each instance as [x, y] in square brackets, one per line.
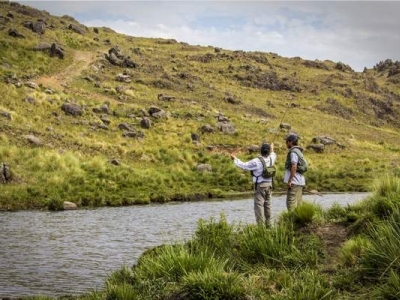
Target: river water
[73, 252]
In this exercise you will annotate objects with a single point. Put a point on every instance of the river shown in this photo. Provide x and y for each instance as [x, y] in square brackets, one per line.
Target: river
[73, 252]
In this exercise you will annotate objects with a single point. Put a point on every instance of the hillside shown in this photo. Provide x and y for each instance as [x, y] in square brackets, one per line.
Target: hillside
[100, 118]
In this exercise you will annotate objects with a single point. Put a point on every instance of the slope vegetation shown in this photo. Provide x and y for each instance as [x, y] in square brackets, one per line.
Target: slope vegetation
[100, 118]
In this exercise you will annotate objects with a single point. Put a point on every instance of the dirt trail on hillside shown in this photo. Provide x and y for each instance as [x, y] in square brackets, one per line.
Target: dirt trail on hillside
[81, 61]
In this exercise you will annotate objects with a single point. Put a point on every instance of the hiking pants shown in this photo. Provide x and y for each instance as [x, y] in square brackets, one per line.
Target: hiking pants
[294, 196]
[262, 203]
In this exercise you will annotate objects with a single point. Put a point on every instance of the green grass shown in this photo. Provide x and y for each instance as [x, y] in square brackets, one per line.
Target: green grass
[73, 160]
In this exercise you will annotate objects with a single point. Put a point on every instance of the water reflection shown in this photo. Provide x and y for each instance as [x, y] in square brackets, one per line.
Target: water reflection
[72, 252]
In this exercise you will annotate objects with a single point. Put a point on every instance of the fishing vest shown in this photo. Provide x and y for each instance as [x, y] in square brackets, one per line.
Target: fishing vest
[302, 165]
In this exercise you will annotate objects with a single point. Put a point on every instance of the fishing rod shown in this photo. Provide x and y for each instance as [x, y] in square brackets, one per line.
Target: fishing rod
[283, 116]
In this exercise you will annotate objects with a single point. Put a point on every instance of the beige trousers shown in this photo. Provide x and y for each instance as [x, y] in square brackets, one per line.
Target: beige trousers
[262, 203]
[294, 196]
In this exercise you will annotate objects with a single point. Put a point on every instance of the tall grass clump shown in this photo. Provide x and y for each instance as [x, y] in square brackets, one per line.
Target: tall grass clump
[307, 285]
[386, 185]
[216, 235]
[212, 285]
[277, 247]
[122, 291]
[383, 255]
[303, 215]
[173, 262]
[352, 251]
[391, 289]
[385, 198]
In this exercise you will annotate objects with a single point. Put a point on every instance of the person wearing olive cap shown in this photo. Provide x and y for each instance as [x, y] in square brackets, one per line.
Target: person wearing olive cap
[262, 186]
[295, 181]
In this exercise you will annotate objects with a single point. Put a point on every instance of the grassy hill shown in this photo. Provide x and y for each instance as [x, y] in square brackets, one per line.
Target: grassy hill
[100, 118]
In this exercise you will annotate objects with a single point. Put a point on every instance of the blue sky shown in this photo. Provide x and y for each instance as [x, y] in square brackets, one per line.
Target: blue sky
[358, 33]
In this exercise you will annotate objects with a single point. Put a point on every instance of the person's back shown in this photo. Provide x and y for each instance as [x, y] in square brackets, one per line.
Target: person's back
[262, 185]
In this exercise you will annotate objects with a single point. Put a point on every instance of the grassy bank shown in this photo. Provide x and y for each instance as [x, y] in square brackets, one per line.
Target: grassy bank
[341, 253]
[44, 178]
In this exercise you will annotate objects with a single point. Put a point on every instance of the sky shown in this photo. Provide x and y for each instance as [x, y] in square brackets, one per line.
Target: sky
[357, 33]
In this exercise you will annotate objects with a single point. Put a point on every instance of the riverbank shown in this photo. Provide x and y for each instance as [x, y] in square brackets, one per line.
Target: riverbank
[310, 253]
[54, 253]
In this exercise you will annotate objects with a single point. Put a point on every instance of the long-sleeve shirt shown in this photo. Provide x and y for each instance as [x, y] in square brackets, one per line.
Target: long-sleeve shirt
[256, 166]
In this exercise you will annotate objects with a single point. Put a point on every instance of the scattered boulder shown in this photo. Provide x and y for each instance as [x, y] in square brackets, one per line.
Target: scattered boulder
[325, 140]
[123, 78]
[102, 109]
[115, 162]
[5, 114]
[145, 123]
[127, 62]
[124, 126]
[319, 148]
[163, 97]
[39, 27]
[5, 173]
[207, 128]
[15, 33]
[42, 47]
[33, 140]
[72, 109]
[253, 149]
[285, 126]
[69, 205]
[231, 99]
[195, 137]
[226, 127]
[204, 168]
[133, 134]
[221, 118]
[157, 113]
[76, 28]
[56, 50]
[32, 85]
[30, 100]
[105, 121]
[117, 58]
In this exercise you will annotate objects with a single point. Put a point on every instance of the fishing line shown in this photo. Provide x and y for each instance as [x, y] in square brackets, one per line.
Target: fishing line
[283, 116]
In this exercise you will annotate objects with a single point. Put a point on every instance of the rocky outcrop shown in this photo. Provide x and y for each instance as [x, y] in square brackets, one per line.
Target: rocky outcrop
[72, 109]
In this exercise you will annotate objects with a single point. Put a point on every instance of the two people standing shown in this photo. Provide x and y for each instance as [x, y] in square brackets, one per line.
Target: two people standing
[294, 179]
